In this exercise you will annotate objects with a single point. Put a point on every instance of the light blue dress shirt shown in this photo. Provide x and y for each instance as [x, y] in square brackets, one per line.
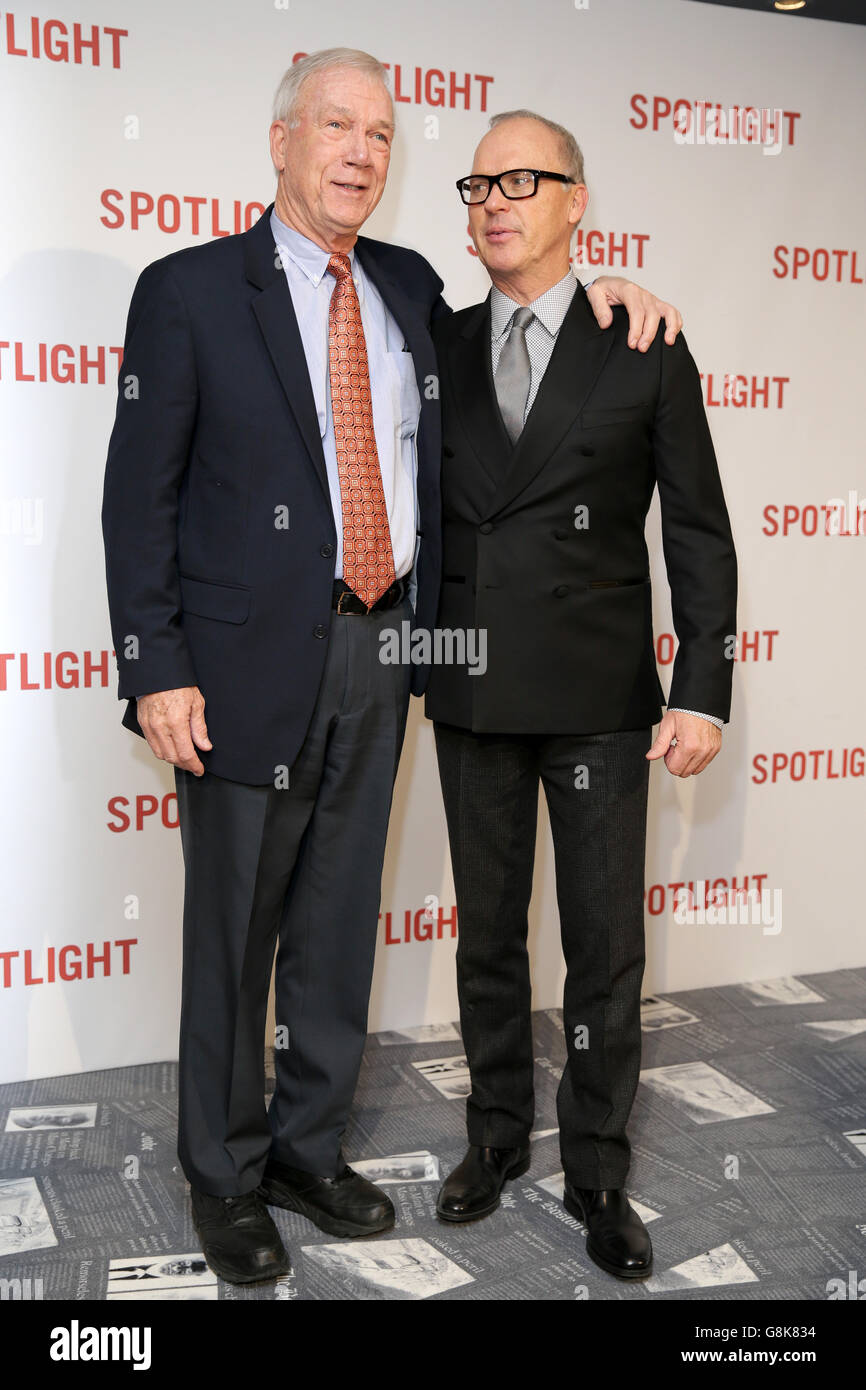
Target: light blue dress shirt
[393, 388]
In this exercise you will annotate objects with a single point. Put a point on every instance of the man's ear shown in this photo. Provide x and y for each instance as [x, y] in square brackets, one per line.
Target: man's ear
[577, 206]
[277, 139]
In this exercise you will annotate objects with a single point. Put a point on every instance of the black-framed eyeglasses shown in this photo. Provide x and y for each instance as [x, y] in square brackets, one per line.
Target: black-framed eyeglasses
[513, 183]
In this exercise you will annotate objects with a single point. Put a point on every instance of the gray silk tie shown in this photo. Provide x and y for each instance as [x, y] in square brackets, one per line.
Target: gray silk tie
[513, 373]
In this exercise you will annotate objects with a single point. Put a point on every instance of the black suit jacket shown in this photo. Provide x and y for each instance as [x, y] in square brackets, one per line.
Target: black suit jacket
[567, 608]
[216, 429]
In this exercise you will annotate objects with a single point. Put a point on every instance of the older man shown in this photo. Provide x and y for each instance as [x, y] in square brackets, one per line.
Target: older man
[555, 437]
[264, 519]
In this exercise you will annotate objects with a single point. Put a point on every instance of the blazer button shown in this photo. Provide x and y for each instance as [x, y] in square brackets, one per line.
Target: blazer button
[587, 451]
[561, 590]
[486, 527]
[320, 630]
[561, 535]
[326, 551]
[448, 451]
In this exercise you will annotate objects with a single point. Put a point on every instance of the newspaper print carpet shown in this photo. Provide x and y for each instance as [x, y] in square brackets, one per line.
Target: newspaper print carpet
[749, 1167]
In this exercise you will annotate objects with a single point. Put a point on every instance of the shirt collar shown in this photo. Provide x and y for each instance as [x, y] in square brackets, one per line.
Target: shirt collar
[549, 308]
[310, 259]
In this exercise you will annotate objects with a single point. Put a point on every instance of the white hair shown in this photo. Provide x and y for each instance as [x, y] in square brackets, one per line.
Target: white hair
[287, 99]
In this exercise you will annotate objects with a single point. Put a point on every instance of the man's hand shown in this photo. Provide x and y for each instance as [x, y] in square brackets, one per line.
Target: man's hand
[172, 721]
[697, 743]
[644, 311]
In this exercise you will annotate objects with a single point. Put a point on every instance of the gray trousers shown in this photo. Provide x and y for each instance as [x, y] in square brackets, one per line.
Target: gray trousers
[298, 870]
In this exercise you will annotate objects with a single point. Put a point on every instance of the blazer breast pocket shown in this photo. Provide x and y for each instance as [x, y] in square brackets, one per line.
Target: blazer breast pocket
[618, 583]
[615, 415]
[225, 602]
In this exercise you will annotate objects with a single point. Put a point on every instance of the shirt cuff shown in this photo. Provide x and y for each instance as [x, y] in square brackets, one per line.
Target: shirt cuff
[675, 709]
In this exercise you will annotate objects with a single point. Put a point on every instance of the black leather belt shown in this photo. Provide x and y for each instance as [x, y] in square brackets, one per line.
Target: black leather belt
[345, 600]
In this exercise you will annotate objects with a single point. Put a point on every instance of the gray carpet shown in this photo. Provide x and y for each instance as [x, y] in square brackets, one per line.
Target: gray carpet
[749, 1165]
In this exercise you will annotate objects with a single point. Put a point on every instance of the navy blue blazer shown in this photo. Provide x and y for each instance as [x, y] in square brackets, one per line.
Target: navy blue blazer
[215, 431]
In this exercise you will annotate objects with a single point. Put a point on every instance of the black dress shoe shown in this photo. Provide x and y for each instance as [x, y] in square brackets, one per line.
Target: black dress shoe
[238, 1237]
[616, 1240]
[473, 1188]
[347, 1205]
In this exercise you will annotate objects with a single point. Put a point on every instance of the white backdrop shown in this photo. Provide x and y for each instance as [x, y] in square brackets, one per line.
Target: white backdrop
[177, 107]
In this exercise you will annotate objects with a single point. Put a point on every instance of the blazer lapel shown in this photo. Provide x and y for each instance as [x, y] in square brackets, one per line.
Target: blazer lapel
[276, 317]
[474, 393]
[578, 357]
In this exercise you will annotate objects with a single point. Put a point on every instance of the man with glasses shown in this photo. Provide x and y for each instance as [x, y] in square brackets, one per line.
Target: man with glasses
[554, 439]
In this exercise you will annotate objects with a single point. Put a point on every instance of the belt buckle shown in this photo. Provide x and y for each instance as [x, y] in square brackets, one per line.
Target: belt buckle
[347, 593]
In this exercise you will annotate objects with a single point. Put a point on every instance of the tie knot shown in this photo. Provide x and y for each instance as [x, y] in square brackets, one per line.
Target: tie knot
[522, 319]
[340, 266]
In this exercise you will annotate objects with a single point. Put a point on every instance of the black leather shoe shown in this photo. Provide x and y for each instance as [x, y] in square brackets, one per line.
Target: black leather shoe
[238, 1237]
[473, 1188]
[347, 1205]
[616, 1240]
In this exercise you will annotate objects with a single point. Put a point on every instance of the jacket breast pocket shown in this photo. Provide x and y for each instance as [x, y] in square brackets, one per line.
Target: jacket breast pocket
[619, 415]
[618, 583]
[225, 602]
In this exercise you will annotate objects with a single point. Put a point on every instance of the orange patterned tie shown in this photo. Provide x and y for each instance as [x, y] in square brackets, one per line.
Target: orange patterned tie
[368, 559]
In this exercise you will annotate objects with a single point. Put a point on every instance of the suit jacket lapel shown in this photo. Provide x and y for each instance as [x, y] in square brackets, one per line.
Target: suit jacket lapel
[578, 357]
[470, 369]
[276, 317]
